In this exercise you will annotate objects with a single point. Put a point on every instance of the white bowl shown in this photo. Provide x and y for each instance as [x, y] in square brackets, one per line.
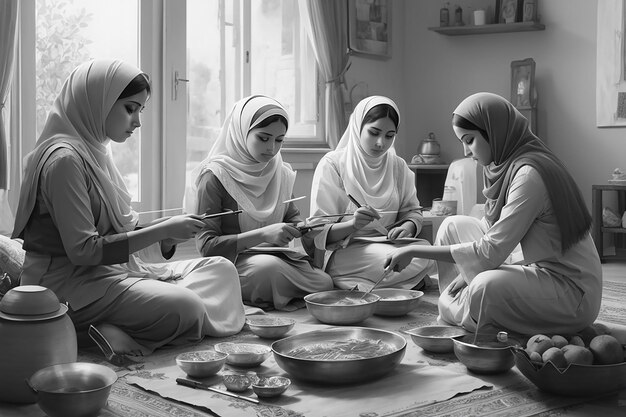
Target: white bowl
[200, 364]
[269, 327]
[244, 354]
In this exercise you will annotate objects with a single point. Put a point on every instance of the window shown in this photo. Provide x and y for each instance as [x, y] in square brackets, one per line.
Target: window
[237, 48]
[201, 55]
[70, 32]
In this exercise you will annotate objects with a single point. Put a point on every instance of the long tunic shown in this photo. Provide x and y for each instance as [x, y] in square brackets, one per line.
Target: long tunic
[541, 290]
[72, 248]
[268, 280]
[357, 262]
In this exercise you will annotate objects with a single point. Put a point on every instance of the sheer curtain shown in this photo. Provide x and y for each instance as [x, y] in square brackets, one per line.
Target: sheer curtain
[8, 35]
[326, 22]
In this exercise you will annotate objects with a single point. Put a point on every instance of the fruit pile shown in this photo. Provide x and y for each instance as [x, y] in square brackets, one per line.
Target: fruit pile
[602, 349]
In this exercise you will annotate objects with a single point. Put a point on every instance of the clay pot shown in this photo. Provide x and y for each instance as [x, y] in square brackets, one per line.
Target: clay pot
[35, 332]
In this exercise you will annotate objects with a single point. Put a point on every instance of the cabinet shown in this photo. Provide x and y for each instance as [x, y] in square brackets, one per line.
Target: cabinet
[485, 29]
[618, 234]
[429, 182]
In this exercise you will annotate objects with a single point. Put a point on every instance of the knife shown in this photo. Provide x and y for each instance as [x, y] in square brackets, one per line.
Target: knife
[376, 223]
[199, 385]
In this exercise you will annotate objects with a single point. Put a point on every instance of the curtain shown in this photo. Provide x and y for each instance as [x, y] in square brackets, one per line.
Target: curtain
[326, 22]
[8, 36]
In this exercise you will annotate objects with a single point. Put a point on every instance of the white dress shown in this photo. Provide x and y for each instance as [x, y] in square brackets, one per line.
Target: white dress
[355, 262]
[541, 289]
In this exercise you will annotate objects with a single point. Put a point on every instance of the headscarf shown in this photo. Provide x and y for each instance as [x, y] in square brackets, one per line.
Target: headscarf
[369, 179]
[259, 188]
[77, 121]
[512, 146]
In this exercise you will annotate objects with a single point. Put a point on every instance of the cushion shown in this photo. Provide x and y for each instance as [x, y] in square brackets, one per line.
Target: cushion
[11, 259]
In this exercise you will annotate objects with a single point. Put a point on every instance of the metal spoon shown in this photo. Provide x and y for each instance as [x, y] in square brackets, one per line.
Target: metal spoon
[385, 273]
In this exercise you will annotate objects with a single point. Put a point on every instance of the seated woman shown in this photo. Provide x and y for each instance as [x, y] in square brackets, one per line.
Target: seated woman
[554, 285]
[244, 170]
[365, 170]
[82, 238]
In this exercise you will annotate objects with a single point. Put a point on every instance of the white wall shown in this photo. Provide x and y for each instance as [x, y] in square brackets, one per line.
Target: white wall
[429, 74]
[450, 68]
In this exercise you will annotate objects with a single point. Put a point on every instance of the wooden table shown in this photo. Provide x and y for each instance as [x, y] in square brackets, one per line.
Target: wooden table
[429, 182]
[598, 230]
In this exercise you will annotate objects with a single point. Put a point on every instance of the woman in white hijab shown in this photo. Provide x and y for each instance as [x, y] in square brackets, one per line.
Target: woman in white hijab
[244, 170]
[365, 170]
[82, 238]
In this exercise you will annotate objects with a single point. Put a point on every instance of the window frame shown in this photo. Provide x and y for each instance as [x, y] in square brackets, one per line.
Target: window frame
[162, 40]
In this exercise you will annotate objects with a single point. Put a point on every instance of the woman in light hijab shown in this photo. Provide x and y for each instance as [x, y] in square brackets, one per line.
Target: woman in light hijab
[365, 170]
[554, 285]
[83, 240]
[245, 171]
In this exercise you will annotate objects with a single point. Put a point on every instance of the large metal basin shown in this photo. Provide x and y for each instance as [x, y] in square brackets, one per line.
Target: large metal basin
[342, 371]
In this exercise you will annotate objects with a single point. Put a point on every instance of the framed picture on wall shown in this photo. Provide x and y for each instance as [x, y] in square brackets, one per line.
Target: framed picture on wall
[508, 11]
[369, 24]
[523, 83]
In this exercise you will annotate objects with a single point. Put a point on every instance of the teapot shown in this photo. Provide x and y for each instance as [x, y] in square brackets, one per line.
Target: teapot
[35, 332]
[428, 151]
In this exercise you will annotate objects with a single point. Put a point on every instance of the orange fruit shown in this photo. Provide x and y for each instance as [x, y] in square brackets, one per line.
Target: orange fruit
[606, 350]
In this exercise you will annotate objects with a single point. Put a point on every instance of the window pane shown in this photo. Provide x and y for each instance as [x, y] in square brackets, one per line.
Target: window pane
[70, 32]
[282, 63]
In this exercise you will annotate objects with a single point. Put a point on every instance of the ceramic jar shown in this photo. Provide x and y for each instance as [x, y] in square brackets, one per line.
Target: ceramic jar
[35, 332]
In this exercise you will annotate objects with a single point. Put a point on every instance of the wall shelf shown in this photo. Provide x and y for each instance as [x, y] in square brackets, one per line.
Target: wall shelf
[485, 29]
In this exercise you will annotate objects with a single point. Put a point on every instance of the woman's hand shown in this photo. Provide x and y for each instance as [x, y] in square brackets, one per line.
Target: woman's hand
[406, 229]
[457, 285]
[181, 228]
[280, 234]
[364, 216]
[399, 259]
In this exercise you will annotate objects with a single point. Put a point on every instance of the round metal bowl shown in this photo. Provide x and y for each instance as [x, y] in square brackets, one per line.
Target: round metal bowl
[484, 357]
[271, 386]
[575, 380]
[396, 301]
[236, 382]
[246, 355]
[201, 364]
[270, 327]
[339, 371]
[437, 339]
[341, 306]
[77, 389]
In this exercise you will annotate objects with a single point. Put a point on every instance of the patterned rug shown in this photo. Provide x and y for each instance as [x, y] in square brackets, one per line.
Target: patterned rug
[613, 308]
[519, 398]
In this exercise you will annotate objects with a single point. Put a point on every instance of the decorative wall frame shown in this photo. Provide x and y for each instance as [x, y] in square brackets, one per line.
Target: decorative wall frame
[610, 64]
[508, 11]
[369, 25]
[523, 83]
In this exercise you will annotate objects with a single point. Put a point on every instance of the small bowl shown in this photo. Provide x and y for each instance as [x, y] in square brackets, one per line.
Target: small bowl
[484, 357]
[75, 389]
[236, 382]
[269, 327]
[201, 364]
[270, 386]
[396, 301]
[31, 301]
[341, 306]
[436, 339]
[246, 355]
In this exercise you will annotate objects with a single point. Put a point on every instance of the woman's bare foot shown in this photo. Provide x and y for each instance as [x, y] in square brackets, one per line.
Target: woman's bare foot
[114, 341]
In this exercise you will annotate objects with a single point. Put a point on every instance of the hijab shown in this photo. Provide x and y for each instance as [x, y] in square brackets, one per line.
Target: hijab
[512, 146]
[77, 121]
[371, 180]
[259, 188]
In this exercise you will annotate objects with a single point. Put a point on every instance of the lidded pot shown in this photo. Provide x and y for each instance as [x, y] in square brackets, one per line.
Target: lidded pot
[35, 332]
